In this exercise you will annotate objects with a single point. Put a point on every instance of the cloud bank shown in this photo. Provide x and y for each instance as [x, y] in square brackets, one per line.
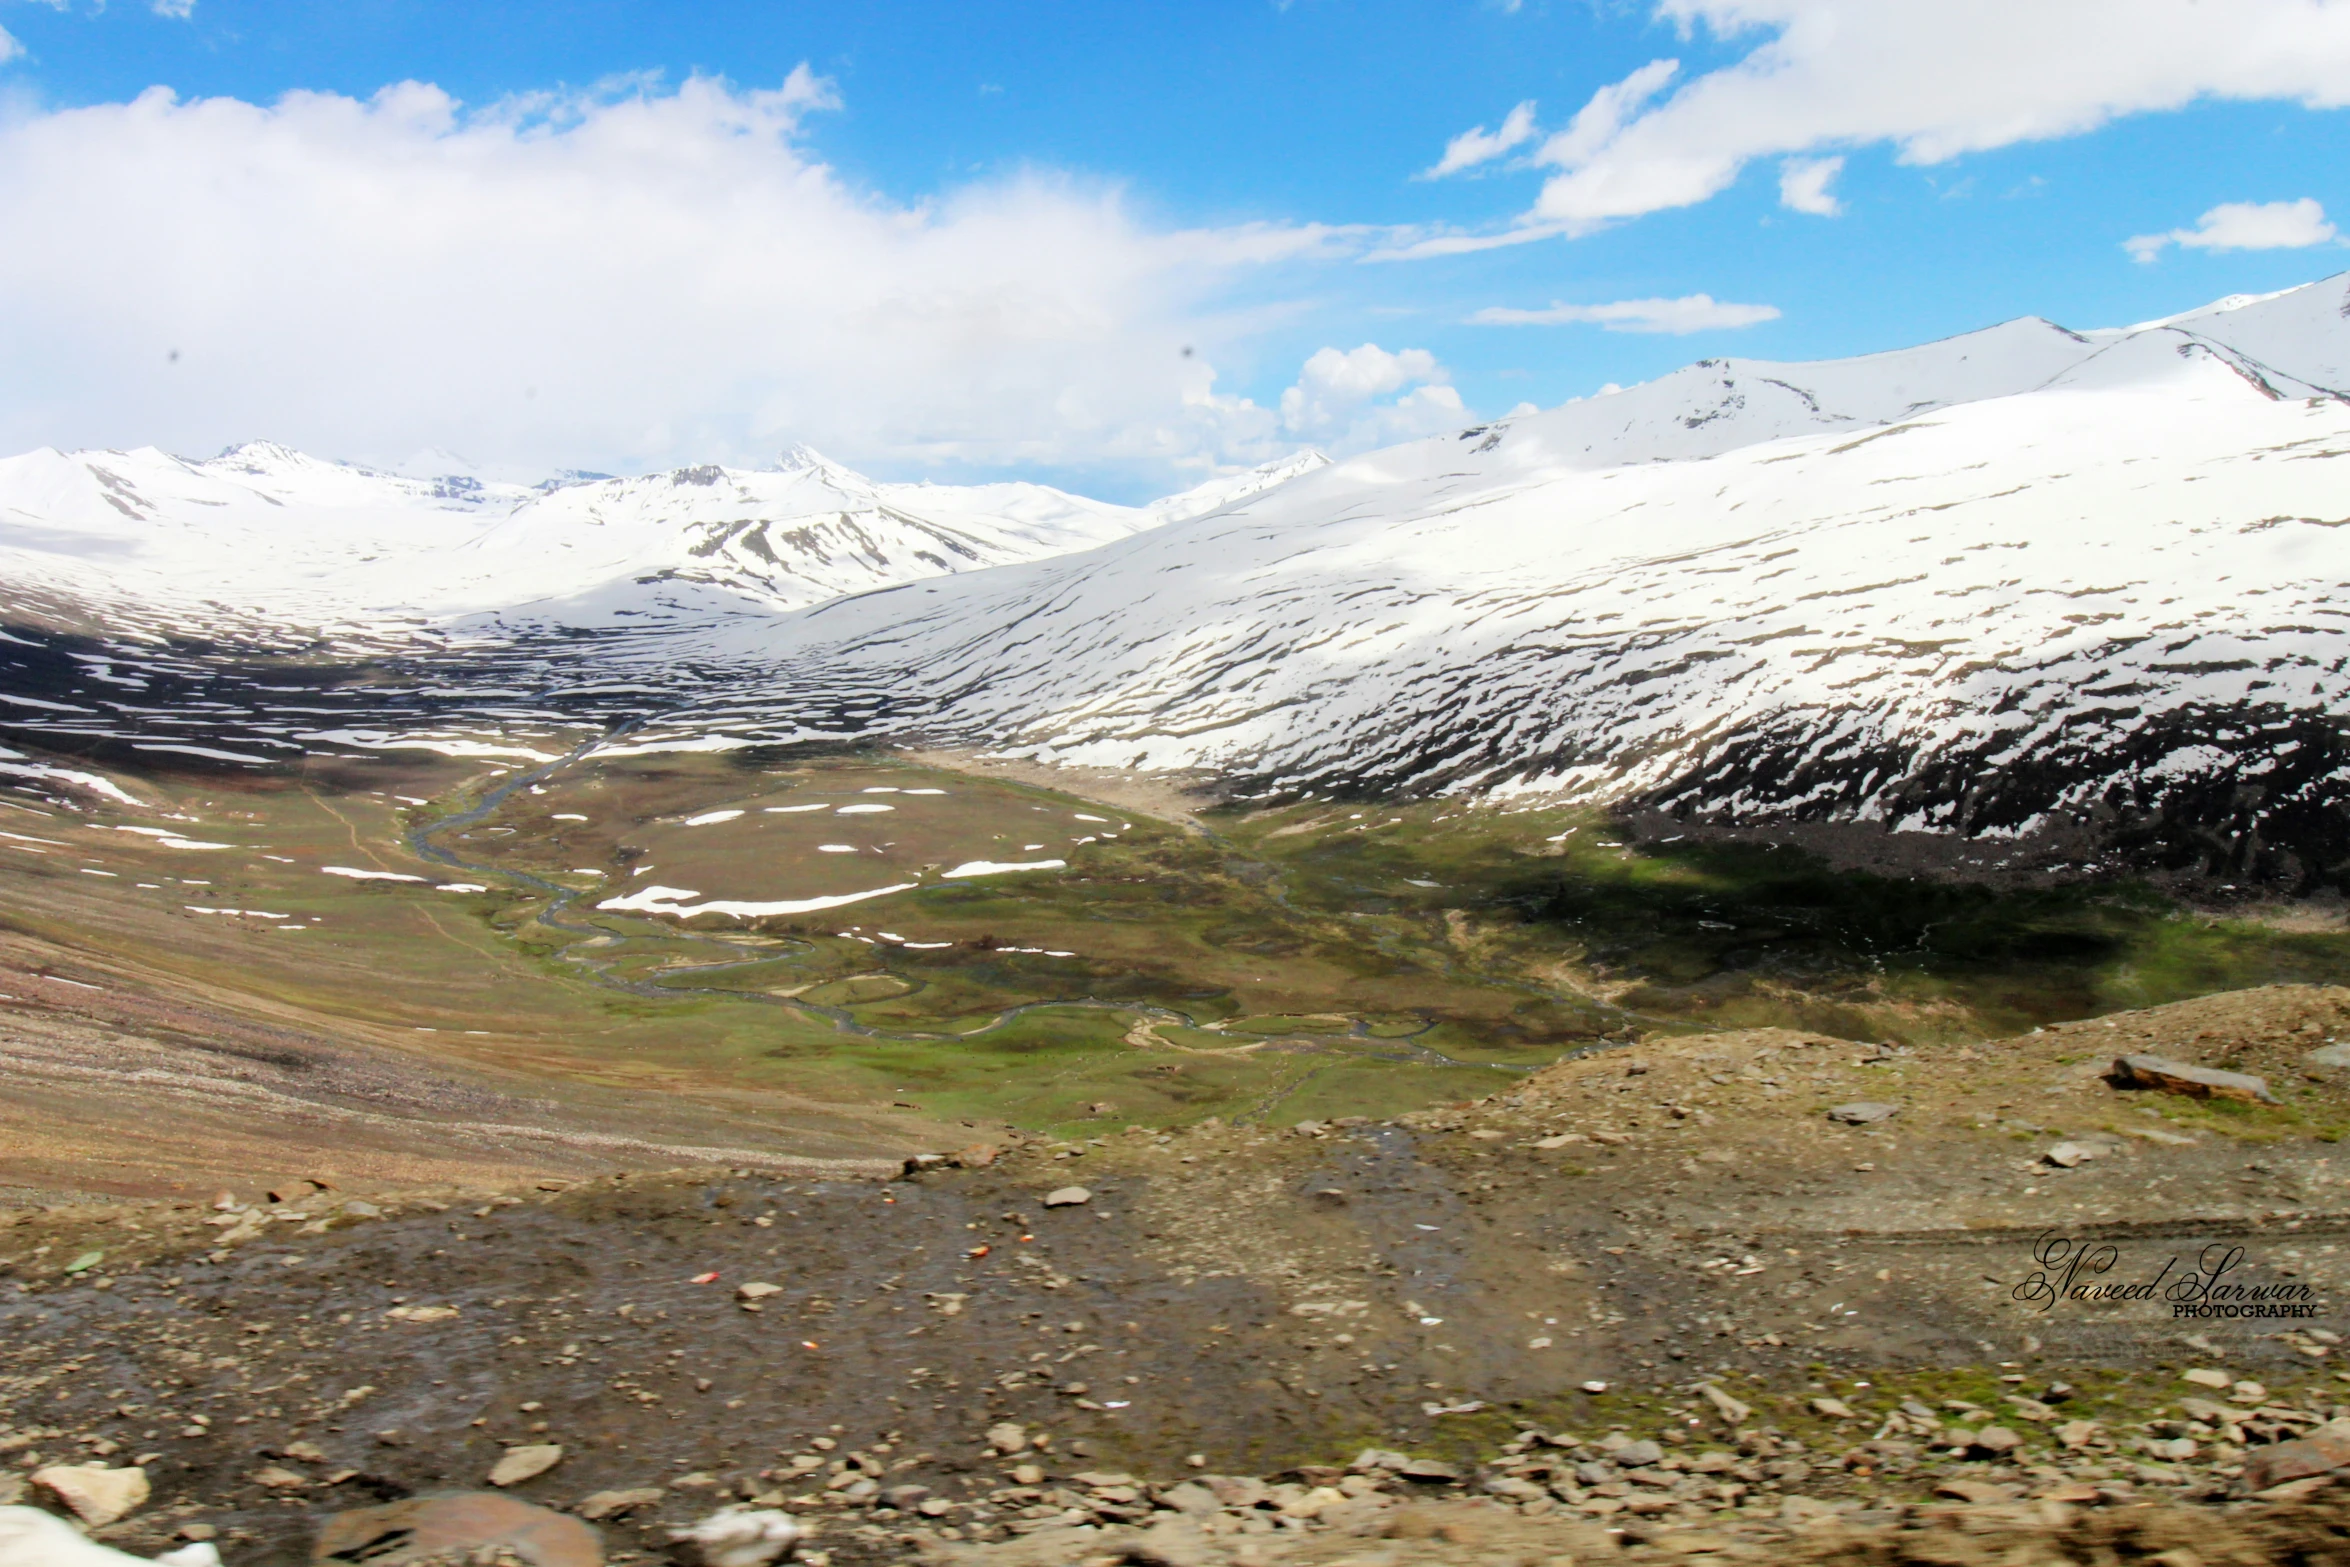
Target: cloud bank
[2243, 225]
[1931, 79]
[615, 279]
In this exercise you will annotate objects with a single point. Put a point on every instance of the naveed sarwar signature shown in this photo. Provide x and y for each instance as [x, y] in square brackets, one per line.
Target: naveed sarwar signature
[2082, 1272]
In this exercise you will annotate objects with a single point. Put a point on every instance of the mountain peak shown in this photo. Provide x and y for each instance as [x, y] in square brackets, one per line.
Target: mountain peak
[800, 457]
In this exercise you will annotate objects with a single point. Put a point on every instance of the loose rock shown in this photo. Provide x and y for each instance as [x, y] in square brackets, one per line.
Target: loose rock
[423, 1527]
[96, 1494]
[741, 1536]
[613, 1504]
[2321, 1452]
[2199, 1082]
[525, 1463]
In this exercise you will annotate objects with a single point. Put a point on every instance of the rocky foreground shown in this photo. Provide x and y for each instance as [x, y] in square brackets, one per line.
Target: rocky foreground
[1765, 1294]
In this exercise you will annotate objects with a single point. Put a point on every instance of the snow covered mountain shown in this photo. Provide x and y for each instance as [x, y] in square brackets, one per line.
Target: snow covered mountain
[2024, 583]
[2088, 590]
[272, 538]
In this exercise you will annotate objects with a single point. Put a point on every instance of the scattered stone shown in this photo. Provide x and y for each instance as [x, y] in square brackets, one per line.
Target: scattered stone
[978, 1156]
[525, 1463]
[96, 1494]
[1237, 1491]
[2198, 1082]
[1637, 1455]
[2330, 1055]
[273, 1477]
[2296, 1490]
[2068, 1156]
[614, 1504]
[423, 1527]
[1978, 1493]
[423, 1313]
[1864, 1113]
[757, 1290]
[1193, 1498]
[1028, 1474]
[1692, 1542]
[1171, 1542]
[1068, 1197]
[1429, 1471]
[1560, 1140]
[1733, 1413]
[1007, 1438]
[2202, 1376]
[1997, 1439]
[2247, 1393]
[1833, 1409]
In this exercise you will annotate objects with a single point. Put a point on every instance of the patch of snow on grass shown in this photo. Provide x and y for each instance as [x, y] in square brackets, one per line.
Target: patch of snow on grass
[997, 868]
[670, 900]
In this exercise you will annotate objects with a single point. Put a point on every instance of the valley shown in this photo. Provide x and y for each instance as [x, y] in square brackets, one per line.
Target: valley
[1531, 995]
[849, 953]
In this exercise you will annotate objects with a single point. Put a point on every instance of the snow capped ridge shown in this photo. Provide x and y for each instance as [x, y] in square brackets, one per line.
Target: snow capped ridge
[2100, 605]
[2026, 585]
[278, 537]
[1227, 489]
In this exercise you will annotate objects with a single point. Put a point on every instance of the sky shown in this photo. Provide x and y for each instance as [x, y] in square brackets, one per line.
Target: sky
[1119, 247]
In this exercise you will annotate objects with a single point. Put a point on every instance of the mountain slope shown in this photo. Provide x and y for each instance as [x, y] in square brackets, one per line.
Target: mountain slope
[2111, 605]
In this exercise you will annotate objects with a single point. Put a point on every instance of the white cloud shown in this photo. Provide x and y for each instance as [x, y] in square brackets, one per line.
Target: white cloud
[1476, 146]
[1932, 78]
[9, 47]
[1690, 313]
[181, 9]
[616, 279]
[1336, 401]
[1803, 186]
[2243, 225]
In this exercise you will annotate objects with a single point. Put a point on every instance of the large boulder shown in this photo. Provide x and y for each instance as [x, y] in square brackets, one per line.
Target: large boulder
[426, 1526]
[2198, 1082]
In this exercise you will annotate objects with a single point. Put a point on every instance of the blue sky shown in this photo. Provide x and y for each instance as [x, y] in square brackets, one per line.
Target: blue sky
[959, 240]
